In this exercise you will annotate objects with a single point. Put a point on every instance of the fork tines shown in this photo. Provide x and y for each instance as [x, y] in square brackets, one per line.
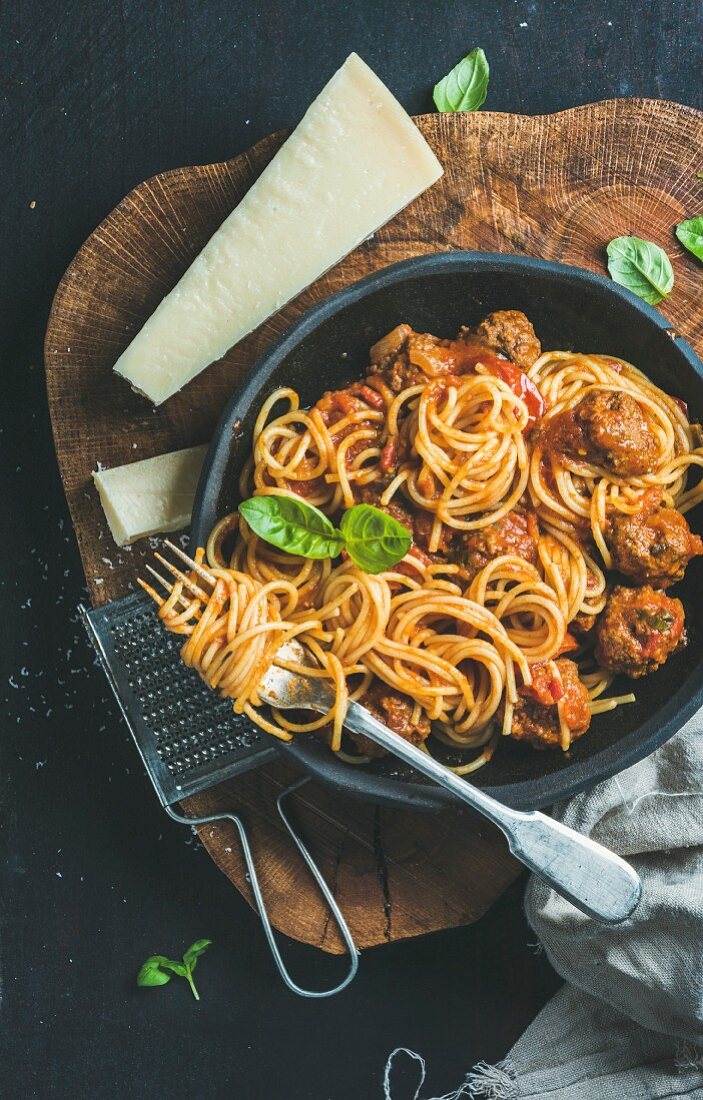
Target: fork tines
[199, 569]
[190, 586]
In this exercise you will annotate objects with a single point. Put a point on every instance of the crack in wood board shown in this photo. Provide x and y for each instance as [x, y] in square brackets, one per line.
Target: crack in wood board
[382, 871]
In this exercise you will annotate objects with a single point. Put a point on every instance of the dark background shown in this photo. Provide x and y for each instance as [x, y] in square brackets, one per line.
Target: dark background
[94, 97]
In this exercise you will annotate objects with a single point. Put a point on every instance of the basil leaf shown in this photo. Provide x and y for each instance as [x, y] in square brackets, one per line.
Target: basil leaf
[373, 540]
[174, 967]
[151, 977]
[152, 974]
[191, 956]
[465, 87]
[292, 524]
[158, 970]
[642, 267]
[690, 234]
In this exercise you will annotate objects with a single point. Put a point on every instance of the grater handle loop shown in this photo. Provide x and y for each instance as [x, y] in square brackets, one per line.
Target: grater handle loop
[261, 904]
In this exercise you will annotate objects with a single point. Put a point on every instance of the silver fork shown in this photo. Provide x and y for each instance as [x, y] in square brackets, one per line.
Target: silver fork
[594, 879]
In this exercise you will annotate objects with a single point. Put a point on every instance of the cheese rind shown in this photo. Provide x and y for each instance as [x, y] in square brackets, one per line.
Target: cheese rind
[150, 496]
[354, 161]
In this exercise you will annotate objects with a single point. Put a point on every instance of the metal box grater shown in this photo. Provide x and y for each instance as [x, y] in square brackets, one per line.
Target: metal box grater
[190, 739]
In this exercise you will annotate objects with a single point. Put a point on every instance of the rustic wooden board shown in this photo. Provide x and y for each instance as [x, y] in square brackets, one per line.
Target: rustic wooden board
[558, 186]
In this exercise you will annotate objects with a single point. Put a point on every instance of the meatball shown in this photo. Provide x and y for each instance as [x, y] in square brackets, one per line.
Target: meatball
[607, 428]
[395, 711]
[638, 630]
[516, 533]
[510, 332]
[536, 716]
[653, 546]
[405, 358]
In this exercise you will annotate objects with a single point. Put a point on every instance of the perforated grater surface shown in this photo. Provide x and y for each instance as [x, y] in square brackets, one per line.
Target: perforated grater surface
[189, 738]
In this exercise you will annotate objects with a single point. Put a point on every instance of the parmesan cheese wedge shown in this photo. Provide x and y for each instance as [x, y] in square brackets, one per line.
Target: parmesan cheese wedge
[354, 161]
[150, 496]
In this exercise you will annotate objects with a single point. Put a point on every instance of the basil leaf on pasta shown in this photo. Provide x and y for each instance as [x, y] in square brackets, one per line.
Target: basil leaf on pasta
[373, 540]
[292, 524]
[690, 234]
[464, 88]
[641, 267]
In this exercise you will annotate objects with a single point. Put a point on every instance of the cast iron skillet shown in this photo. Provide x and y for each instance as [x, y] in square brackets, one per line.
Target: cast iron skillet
[570, 309]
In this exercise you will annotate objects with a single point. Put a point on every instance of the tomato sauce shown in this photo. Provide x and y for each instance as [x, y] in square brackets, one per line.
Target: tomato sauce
[463, 356]
[568, 645]
[651, 644]
[545, 688]
[522, 386]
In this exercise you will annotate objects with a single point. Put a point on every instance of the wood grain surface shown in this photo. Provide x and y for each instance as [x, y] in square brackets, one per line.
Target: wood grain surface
[556, 186]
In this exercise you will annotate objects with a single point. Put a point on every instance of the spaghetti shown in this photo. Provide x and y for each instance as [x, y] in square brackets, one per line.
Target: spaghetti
[506, 474]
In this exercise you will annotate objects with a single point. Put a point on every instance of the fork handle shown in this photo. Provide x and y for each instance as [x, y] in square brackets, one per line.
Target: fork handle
[594, 879]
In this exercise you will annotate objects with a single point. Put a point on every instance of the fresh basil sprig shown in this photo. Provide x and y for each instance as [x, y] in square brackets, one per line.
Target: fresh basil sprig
[158, 970]
[373, 540]
[292, 524]
[690, 234]
[465, 87]
[642, 267]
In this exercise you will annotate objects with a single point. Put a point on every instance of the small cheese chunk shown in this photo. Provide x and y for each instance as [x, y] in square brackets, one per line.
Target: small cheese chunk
[150, 496]
[354, 161]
